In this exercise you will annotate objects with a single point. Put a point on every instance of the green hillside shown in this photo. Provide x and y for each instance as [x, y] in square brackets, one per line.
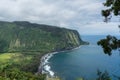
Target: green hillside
[22, 44]
[29, 37]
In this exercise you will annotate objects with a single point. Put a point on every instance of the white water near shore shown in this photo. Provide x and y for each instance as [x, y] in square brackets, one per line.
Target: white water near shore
[44, 67]
[85, 61]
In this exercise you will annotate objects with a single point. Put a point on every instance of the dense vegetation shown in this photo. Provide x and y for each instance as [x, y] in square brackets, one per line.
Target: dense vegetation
[113, 7]
[28, 37]
[22, 44]
[111, 42]
[19, 66]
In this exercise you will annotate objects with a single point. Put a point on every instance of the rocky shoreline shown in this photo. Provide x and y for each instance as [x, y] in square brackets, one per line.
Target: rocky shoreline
[44, 67]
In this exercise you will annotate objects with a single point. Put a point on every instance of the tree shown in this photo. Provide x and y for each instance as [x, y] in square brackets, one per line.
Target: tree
[3, 46]
[111, 42]
[103, 75]
[113, 7]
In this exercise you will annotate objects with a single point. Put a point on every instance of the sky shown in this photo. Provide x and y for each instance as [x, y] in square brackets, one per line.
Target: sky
[82, 15]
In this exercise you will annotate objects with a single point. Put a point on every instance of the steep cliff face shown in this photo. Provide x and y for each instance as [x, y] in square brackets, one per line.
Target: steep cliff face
[29, 37]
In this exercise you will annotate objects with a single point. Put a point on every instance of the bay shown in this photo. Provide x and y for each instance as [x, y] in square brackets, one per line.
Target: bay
[85, 61]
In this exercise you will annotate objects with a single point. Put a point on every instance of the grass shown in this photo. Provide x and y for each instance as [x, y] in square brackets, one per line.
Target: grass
[13, 58]
[6, 57]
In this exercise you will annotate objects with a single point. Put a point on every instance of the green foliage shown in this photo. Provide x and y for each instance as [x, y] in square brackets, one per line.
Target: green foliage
[103, 76]
[109, 44]
[20, 66]
[16, 74]
[3, 46]
[80, 79]
[30, 41]
[53, 78]
[113, 7]
[29, 37]
[26, 43]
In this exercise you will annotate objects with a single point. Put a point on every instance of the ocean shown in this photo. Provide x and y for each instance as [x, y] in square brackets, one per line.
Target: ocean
[85, 61]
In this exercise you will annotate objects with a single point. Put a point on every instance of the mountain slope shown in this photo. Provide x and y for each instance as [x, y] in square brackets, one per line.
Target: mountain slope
[22, 36]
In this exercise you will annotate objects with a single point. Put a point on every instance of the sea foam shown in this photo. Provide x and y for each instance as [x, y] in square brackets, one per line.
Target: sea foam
[46, 69]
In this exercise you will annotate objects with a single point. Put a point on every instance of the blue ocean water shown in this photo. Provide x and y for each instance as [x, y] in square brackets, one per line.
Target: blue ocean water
[85, 61]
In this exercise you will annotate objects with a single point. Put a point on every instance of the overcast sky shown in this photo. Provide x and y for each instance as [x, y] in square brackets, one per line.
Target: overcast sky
[82, 15]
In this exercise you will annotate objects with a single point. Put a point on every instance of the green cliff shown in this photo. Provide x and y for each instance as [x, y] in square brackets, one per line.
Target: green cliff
[22, 36]
[22, 44]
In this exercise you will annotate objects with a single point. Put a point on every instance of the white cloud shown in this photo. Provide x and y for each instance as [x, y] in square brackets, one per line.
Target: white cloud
[100, 28]
[65, 13]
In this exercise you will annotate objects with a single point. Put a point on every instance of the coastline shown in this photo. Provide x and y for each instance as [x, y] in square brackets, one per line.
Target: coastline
[44, 67]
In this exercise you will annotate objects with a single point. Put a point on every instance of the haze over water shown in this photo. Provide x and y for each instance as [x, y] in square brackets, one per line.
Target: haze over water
[85, 61]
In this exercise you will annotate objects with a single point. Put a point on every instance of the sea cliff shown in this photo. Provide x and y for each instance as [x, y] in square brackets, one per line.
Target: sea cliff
[22, 36]
[25, 43]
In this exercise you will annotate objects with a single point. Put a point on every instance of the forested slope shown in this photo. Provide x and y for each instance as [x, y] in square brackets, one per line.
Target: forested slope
[29, 37]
